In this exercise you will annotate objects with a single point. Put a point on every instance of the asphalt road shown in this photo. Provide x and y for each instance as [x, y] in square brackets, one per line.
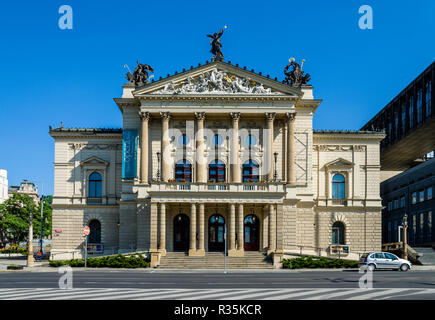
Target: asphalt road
[151, 279]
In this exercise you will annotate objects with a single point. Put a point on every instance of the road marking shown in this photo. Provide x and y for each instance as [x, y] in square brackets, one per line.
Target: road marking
[334, 294]
[375, 293]
[295, 294]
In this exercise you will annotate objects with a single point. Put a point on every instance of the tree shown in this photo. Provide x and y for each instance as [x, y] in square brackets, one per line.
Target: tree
[14, 218]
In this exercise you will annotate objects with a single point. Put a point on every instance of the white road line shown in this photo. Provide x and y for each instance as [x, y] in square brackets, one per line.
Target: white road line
[420, 291]
[114, 295]
[224, 292]
[334, 294]
[257, 293]
[180, 295]
[36, 296]
[294, 294]
[375, 293]
[153, 294]
[69, 294]
[18, 293]
[132, 293]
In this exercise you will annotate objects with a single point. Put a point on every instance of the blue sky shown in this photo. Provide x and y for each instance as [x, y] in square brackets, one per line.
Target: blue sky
[49, 75]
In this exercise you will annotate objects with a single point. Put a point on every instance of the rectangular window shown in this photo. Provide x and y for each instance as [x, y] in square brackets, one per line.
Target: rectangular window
[421, 196]
[428, 99]
[389, 231]
[411, 112]
[390, 206]
[429, 193]
[414, 198]
[421, 229]
[402, 202]
[396, 204]
[403, 118]
[419, 105]
[395, 237]
[414, 228]
[429, 227]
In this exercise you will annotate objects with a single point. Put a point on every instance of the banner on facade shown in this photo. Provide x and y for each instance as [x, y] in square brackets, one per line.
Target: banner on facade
[129, 154]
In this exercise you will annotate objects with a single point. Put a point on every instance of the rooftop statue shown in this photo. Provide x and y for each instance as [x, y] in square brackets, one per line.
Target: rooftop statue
[216, 45]
[140, 74]
[296, 77]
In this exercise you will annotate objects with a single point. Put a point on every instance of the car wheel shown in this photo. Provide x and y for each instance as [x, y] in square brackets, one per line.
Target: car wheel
[404, 267]
[371, 267]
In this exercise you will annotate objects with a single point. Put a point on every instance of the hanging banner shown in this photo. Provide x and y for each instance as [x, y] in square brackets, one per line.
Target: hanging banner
[129, 154]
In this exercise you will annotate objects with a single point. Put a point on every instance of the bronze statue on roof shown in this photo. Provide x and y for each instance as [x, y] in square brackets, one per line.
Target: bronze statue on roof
[216, 45]
[296, 77]
[140, 74]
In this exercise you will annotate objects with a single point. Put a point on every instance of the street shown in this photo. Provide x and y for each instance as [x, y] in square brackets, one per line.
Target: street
[203, 284]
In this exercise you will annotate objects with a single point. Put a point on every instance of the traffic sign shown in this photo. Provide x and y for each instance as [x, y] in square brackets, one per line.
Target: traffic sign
[86, 230]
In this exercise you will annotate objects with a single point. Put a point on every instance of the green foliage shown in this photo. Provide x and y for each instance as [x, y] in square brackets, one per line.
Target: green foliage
[14, 248]
[317, 262]
[15, 216]
[118, 261]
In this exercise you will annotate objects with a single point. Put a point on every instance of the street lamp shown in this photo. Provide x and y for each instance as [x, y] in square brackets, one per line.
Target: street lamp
[158, 166]
[405, 239]
[275, 174]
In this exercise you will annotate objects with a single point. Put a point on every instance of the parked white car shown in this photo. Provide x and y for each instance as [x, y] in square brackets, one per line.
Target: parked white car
[384, 260]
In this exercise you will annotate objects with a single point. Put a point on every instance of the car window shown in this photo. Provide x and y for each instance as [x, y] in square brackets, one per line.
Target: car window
[390, 256]
[379, 255]
[373, 256]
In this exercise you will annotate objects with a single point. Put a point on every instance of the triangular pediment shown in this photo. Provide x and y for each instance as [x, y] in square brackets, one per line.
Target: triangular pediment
[94, 161]
[340, 162]
[217, 78]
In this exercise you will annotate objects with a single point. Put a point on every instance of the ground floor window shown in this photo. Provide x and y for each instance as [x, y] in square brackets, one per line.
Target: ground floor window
[338, 233]
[95, 235]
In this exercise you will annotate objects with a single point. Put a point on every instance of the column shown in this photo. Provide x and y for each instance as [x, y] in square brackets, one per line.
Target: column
[279, 229]
[200, 146]
[270, 117]
[234, 152]
[162, 220]
[291, 175]
[272, 224]
[232, 230]
[144, 116]
[153, 227]
[165, 150]
[240, 234]
[192, 244]
[201, 244]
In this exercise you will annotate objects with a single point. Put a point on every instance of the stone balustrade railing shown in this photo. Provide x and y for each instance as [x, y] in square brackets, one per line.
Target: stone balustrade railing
[218, 187]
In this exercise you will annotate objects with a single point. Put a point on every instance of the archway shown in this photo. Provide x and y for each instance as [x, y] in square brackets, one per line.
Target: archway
[216, 226]
[181, 232]
[252, 232]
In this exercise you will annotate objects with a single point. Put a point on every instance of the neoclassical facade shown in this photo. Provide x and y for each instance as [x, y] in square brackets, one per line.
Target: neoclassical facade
[216, 148]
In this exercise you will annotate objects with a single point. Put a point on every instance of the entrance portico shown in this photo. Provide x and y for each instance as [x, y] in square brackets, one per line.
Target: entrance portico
[197, 228]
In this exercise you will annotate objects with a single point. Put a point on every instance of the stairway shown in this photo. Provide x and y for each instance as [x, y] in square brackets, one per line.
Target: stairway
[426, 255]
[215, 260]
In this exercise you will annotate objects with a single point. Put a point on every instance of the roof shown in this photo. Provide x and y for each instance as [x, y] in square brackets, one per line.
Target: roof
[347, 132]
[90, 130]
[184, 71]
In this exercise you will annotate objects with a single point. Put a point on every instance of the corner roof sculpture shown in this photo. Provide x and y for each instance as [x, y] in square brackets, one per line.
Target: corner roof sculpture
[140, 74]
[296, 77]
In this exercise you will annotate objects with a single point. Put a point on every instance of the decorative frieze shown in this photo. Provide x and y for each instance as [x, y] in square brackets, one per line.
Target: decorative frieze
[88, 146]
[335, 148]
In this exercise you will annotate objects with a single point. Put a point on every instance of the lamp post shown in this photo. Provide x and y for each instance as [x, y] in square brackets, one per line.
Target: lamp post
[42, 220]
[30, 259]
[158, 166]
[405, 238]
[275, 174]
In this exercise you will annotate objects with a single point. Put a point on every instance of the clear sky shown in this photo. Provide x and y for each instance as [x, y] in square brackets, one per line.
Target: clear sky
[49, 75]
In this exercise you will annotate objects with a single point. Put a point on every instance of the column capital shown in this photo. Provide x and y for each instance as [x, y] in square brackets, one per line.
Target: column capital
[145, 116]
[235, 116]
[290, 116]
[200, 115]
[270, 116]
[165, 115]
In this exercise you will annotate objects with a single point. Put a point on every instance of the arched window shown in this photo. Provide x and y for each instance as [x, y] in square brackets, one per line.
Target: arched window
[338, 186]
[338, 233]
[250, 171]
[250, 141]
[184, 140]
[217, 140]
[95, 185]
[183, 171]
[95, 235]
[216, 171]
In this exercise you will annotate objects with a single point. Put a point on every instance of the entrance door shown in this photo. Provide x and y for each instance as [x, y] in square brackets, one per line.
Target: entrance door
[181, 232]
[251, 236]
[216, 241]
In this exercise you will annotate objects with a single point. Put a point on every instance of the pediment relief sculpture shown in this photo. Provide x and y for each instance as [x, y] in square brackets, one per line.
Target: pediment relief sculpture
[216, 82]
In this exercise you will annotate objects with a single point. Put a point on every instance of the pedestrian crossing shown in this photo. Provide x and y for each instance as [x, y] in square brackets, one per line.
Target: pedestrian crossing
[214, 294]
